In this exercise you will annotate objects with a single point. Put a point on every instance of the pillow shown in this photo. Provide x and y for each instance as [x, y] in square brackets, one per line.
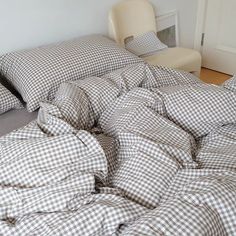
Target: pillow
[145, 45]
[37, 73]
[8, 100]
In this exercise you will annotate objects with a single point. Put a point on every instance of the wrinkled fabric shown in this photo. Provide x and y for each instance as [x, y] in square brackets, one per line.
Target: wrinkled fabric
[143, 150]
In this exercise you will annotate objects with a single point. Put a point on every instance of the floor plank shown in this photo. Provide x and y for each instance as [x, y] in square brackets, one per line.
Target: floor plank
[213, 77]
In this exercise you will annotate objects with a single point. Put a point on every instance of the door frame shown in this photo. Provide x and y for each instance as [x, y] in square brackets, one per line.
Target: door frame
[200, 24]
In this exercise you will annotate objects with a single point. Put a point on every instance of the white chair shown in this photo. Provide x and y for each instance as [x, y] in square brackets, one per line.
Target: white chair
[132, 18]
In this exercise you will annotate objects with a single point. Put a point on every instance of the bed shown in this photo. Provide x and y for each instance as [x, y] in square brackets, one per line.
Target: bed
[139, 150]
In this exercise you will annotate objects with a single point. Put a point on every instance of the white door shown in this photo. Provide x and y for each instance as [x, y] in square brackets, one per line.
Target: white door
[219, 48]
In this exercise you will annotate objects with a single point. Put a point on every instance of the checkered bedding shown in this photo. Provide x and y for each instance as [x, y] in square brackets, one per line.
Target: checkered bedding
[145, 45]
[140, 151]
[37, 73]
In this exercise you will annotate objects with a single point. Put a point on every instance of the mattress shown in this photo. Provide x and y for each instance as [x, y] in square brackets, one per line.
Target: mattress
[15, 119]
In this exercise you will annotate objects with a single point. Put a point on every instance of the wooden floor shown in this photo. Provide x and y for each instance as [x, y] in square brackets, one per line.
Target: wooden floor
[213, 77]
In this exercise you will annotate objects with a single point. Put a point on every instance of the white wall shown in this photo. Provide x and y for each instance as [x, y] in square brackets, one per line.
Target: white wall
[29, 23]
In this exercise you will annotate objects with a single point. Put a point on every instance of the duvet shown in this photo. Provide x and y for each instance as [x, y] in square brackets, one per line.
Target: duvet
[144, 150]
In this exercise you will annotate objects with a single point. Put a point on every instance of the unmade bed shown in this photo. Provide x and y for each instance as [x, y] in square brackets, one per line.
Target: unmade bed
[140, 150]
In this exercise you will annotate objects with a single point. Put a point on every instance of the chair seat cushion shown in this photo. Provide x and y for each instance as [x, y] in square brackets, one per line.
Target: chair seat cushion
[179, 58]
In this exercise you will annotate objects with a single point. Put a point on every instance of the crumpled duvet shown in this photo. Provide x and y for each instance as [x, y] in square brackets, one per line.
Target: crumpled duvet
[144, 150]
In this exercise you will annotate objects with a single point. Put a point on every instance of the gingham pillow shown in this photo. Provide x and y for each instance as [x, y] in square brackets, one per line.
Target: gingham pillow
[7, 100]
[37, 73]
[145, 45]
[199, 108]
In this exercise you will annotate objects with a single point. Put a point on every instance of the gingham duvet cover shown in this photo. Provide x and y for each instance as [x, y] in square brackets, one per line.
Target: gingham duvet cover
[124, 154]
